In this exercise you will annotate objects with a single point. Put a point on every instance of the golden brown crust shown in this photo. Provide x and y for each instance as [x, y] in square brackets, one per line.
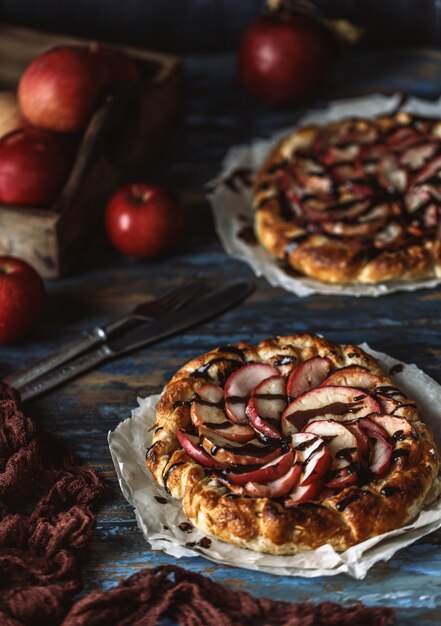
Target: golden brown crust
[342, 251]
[341, 519]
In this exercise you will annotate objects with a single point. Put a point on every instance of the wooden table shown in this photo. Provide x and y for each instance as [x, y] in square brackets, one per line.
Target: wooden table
[406, 326]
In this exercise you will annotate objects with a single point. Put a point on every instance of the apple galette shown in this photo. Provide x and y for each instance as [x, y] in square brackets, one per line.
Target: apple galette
[355, 201]
[290, 445]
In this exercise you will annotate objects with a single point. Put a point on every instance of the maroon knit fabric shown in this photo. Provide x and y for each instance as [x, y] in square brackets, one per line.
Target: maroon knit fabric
[190, 599]
[45, 520]
[46, 524]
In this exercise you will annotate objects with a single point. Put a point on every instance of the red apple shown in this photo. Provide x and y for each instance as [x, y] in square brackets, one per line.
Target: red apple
[282, 57]
[59, 88]
[32, 167]
[144, 220]
[22, 297]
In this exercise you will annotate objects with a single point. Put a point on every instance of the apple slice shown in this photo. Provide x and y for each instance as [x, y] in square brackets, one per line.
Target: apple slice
[302, 493]
[267, 473]
[353, 376]
[342, 443]
[369, 425]
[316, 466]
[232, 453]
[307, 375]
[342, 478]
[313, 454]
[276, 488]
[208, 415]
[192, 447]
[381, 454]
[387, 405]
[362, 441]
[266, 405]
[396, 428]
[327, 403]
[239, 385]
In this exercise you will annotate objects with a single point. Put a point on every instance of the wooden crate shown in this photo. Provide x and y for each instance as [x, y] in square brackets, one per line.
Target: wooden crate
[119, 138]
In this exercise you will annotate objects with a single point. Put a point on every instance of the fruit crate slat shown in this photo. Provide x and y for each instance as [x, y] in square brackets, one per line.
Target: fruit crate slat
[131, 121]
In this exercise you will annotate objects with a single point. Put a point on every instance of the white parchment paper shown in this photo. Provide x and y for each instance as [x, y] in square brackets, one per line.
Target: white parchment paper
[159, 522]
[232, 207]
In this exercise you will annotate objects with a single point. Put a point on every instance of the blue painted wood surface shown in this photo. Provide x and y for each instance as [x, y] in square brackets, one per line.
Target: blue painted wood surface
[405, 325]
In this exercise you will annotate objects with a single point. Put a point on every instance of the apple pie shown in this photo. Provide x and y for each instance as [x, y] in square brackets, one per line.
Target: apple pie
[290, 445]
[355, 201]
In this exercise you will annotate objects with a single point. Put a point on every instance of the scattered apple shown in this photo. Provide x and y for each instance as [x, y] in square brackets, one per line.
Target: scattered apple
[282, 57]
[32, 167]
[22, 298]
[144, 220]
[10, 116]
[59, 89]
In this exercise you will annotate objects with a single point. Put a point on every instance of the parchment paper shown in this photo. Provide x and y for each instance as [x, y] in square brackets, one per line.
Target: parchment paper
[159, 522]
[231, 198]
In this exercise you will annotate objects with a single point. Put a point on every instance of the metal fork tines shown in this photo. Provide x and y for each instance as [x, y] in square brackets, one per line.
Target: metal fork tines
[144, 312]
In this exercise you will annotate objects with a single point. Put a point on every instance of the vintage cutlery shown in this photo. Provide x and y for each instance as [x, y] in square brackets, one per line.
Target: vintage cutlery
[145, 334]
[145, 311]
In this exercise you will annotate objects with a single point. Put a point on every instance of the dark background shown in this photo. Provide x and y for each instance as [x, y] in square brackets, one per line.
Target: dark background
[214, 25]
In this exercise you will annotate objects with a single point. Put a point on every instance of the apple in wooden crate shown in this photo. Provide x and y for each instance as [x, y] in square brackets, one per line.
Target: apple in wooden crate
[22, 297]
[144, 220]
[59, 88]
[33, 167]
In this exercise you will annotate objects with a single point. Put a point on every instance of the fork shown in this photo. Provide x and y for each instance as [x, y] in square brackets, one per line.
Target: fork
[143, 312]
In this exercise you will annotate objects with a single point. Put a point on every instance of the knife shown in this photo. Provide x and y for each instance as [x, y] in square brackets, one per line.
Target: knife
[144, 335]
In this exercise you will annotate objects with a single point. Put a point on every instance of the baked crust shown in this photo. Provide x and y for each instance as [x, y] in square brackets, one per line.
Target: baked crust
[341, 519]
[395, 236]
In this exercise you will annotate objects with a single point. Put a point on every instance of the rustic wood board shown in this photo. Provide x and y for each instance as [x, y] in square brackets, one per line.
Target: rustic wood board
[407, 326]
[124, 131]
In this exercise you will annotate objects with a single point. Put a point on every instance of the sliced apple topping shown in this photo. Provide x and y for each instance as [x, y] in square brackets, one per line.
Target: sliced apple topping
[265, 474]
[353, 376]
[327, 403]
[396, 428]
[239, 386]
[193, 448]
[266, 405]
[302, 493]
[381, 454]
[307, 375]
[232, 453]
[208, 415]
[342, 442]
[276, 488]
[363, 446]
[342, 477]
